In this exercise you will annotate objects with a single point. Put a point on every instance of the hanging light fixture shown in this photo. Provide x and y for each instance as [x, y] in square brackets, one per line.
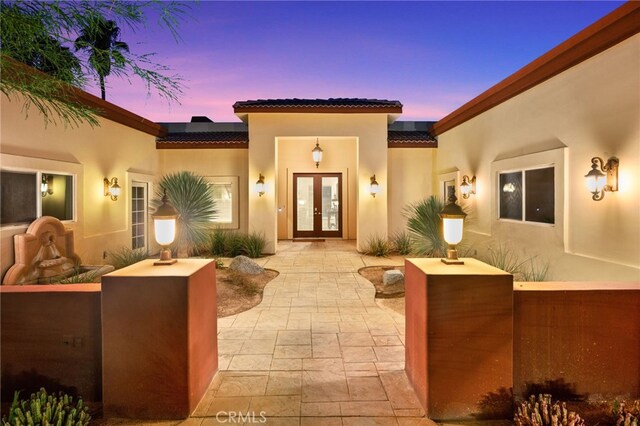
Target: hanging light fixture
[452, 226]
[164, 225]
[111, 188]
[468, 186]
[599, 182]
[375, 187]
[317, 153]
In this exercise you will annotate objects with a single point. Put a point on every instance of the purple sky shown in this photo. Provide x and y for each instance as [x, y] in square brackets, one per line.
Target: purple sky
[431, 56]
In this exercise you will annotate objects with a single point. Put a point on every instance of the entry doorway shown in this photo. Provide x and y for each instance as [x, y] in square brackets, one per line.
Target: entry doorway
[317, 198]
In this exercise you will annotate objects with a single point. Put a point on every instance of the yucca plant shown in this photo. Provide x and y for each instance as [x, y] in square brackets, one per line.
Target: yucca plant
[192, 197]
[425, 227]
[402, 242]
[253, 244]
[377, 245]
[124, 256]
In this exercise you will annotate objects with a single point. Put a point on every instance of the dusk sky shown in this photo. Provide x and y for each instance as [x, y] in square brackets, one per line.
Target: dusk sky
[431, 56]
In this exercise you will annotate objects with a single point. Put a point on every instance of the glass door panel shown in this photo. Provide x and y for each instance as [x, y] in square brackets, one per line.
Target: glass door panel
[304, 203]
[330, 204]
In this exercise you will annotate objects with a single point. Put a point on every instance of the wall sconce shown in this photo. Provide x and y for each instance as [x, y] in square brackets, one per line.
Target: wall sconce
[452, 226]
[111, 188]
[260, 185]
[46, 186]
[375, 187]
[597, 182]
[317, 153]
[468, 186]
[164, 225]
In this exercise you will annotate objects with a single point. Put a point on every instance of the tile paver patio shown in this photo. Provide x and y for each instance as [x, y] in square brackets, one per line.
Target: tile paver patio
[317, 350]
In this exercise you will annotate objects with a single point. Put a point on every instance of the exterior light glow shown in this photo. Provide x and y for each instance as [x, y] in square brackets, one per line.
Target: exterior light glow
[164, 225]
[375, 187]
[598, 182]
[260, 186]
[46, 185]
[468, 186]
[452, 226]
[317, 153]
[111, 188]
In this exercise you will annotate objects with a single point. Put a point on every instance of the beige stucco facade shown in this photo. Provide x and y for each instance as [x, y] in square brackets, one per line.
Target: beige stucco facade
[89, 154]
[589, 110]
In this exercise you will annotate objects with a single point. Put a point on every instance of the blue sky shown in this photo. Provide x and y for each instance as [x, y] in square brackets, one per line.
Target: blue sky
[431, 56]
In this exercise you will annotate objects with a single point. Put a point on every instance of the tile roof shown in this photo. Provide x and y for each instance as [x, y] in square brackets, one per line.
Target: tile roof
[318, 105]
[215, 139]
[411, 139]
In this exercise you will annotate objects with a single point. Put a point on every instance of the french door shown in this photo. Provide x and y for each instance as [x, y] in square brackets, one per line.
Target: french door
[317, 198]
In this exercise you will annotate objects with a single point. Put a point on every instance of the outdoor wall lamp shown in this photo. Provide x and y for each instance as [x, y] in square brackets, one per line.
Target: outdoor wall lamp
[452, 225]
[468, 186]
[111, 188]
[46, 186]
[260, 185]
[375, 187]
[164, 225]
[598, 182]
[317, 153]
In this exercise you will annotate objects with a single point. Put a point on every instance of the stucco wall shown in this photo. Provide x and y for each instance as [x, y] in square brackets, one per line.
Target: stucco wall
[410, 180]
[592, 109]
[370, 132]
[90, 154]
[211, 163]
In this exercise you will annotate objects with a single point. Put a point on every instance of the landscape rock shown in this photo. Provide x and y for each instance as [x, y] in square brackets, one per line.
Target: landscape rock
[246, 265]
[392, 276]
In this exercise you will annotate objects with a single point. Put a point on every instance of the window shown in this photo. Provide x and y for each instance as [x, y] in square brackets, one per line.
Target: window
[527, 195]
[138, 215]
[27, 195]
[225, 194]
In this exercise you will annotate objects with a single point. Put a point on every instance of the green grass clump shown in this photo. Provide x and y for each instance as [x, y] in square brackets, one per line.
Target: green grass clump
[402, 242]
[509, 260]
[124, 256]
[378, 246]
[227, 243]
[253, 244]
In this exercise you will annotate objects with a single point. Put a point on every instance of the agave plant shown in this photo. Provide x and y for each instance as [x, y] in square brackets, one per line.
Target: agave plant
[191, 195]
[425, 226]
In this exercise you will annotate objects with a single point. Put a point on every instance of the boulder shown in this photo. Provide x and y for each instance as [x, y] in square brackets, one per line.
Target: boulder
[246, 265]
[392, 276]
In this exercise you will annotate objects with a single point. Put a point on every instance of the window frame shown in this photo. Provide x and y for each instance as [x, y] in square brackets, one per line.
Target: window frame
[523, 171]
[235, 199]
[39, 172]
[146, 186]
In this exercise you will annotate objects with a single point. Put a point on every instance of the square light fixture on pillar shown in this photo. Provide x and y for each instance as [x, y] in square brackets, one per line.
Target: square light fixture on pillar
[468, 186]
[375, 187]
[164, 225]
[598, 182]
[111, 188]
[260, 187]
[317, 153]
[452, 226]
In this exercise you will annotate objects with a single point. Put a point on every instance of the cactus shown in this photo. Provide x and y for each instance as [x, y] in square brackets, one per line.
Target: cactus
[541, 412]
[44, 409]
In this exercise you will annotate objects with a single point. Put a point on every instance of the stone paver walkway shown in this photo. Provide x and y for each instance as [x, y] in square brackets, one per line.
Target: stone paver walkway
[318, 350]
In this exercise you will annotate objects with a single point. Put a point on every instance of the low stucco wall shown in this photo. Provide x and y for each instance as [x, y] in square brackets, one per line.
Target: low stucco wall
[51, 337]
[583, 338]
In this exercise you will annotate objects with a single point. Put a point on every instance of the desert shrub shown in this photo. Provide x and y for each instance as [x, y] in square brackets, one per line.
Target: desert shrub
[253, 244]
[192, 197]
[425, 227]
[79, 277]
[522, 268]
[233, 244]
[46, 409]
[542, 412]
[377, 245]
[124, 256]
[402, 242]
[217, 242]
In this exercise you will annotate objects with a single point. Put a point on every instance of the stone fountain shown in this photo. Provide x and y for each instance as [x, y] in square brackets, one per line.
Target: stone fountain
[45, 254]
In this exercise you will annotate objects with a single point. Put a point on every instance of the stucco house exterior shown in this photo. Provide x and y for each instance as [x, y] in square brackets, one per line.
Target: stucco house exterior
[545, 122]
